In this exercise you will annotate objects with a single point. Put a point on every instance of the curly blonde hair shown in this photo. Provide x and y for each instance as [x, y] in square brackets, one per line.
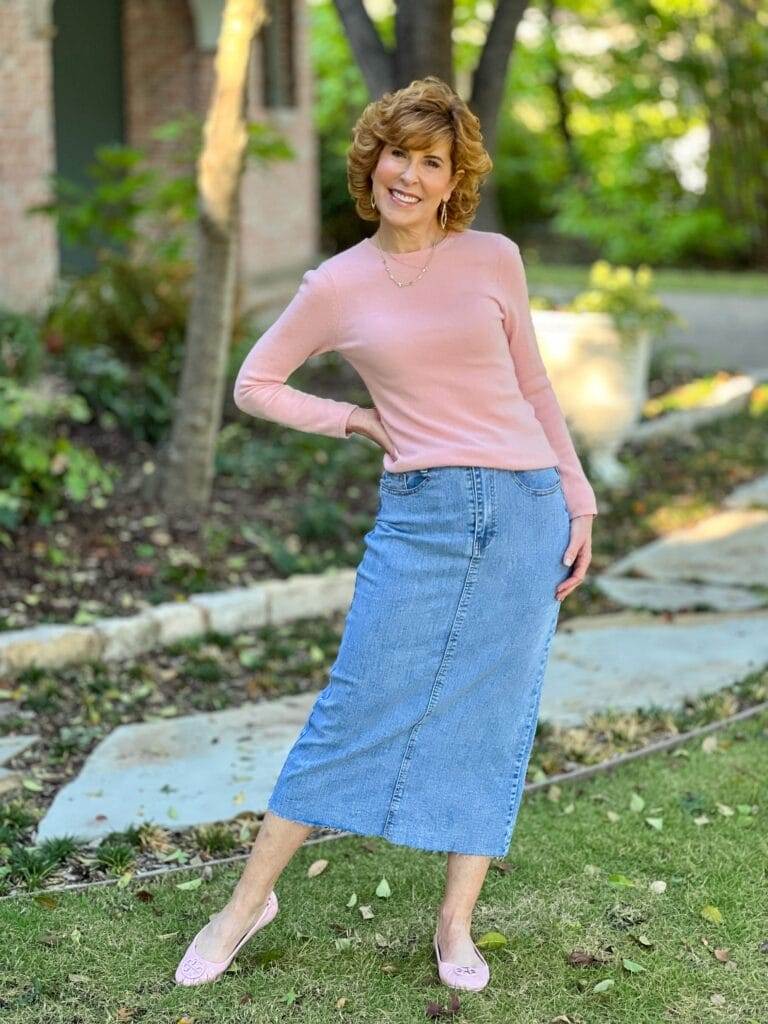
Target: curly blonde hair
[417, 116]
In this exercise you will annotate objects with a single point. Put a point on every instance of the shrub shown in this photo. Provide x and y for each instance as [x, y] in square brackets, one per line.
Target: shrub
[39, 469]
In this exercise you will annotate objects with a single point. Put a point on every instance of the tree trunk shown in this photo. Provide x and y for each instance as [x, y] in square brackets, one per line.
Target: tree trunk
[424, 47]
[187, 473]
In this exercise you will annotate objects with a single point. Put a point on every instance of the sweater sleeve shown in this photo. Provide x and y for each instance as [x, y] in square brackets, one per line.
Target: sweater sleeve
[534, 383]
[306, 327]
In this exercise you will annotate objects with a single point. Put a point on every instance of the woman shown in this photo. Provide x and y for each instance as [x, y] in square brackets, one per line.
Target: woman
[424, 730]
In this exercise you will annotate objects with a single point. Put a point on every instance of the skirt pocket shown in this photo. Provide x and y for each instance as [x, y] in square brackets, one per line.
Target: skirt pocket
[410, 481]
[538, 481]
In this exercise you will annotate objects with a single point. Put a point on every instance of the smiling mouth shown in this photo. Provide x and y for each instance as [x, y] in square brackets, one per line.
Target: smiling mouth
[403, 202]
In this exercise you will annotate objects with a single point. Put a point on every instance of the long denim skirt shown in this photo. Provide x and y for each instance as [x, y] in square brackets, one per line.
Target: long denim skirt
[424, 730]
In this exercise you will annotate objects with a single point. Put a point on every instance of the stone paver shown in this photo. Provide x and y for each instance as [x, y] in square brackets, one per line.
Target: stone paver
[180, 772]
[660, 595]
[631, 659]
[754, 493]
[730, 547]
[10, 746]
[197, 769]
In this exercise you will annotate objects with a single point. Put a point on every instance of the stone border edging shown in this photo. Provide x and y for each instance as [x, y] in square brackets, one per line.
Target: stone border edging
[270, 603]
[577, 775]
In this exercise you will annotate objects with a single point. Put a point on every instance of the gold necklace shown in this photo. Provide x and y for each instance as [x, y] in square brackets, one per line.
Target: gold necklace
[405, 284]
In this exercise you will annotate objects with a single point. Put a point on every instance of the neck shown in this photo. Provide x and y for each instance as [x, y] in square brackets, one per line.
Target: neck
[396, 241]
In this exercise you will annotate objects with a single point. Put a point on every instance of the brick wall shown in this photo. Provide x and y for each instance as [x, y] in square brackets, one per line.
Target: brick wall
[165, 75]
[28, 244]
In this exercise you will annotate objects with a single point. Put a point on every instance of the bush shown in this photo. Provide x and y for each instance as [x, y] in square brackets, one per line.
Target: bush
[21, 346]
[120, 331]
[39, 469]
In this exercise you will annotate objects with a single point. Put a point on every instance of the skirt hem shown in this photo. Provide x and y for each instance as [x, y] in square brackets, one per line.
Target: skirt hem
[423, 845]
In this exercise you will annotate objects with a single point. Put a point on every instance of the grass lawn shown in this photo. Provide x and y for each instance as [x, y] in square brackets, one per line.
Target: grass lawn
[669, 279]
[588, 938]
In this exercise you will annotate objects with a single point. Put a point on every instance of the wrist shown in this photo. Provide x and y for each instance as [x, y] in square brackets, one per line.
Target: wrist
[352, 421]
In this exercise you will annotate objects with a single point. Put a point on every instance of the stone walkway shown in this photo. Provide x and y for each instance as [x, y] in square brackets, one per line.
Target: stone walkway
[203, 768]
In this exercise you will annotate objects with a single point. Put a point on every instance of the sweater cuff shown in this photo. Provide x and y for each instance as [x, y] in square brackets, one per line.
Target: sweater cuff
[346, 412]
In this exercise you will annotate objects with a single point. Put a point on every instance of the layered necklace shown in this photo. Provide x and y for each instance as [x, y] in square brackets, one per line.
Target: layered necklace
[422, 272]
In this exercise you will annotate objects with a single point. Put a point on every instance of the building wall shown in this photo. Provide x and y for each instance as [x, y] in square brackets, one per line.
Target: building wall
[28, 244]
[280, 224]
[165, 75]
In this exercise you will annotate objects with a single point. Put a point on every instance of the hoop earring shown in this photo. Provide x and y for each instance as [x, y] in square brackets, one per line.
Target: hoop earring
[373, 201]
[444, 215]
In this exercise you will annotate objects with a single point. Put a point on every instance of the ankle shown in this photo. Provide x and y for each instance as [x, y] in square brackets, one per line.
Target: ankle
[246, 906]
[453, 921]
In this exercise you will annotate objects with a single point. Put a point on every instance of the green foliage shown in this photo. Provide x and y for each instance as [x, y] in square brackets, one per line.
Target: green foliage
[121, 333]
[631, 224]
[625, 295]
[121, 328]
[21, 346]
[38, 468]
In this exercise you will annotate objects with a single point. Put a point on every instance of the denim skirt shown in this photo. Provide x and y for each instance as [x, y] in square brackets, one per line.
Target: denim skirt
[424, 730]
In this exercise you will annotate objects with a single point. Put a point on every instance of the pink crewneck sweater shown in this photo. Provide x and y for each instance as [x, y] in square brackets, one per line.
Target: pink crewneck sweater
[451, 362]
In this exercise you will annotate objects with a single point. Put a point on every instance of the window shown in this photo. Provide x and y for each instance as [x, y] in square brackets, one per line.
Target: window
[278, 68]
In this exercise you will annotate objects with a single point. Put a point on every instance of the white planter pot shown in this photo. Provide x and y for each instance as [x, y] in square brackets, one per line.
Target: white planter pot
[600, 383]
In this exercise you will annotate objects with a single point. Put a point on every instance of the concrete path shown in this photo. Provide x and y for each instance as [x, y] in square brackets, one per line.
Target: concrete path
[204, 768]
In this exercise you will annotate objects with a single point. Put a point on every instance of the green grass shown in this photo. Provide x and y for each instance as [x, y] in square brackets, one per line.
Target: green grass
[664, 279]
[109, 953]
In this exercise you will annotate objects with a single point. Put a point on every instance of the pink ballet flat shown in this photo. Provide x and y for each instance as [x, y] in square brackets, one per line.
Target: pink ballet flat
[194, 969]
[458, 976]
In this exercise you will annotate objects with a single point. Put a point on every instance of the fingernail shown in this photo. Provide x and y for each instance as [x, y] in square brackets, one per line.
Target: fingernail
[568, 559]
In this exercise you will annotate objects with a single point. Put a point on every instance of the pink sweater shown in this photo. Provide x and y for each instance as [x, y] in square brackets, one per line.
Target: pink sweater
[451, 362]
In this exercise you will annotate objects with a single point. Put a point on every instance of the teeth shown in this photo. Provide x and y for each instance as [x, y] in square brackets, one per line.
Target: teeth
[402, 197]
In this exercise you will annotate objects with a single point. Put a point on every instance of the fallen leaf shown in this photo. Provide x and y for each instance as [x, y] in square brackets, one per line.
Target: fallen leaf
[619, 879]
[316, 867]
[712, 914]
[193, 883]
[491, 940]
[632, 965]
[582, 958]
[603, 985]
[383, 889]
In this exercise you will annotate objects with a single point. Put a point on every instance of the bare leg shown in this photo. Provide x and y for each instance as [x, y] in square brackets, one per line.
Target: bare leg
[276, 842]
[465, 875]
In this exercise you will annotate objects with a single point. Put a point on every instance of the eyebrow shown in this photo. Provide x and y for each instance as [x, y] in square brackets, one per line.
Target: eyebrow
[434, 156]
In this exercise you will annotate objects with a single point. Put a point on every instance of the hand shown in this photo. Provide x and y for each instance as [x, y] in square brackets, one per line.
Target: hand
[580, 549]
[368, 423]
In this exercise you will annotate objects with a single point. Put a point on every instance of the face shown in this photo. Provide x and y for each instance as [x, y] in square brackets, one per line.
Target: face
[421, 173]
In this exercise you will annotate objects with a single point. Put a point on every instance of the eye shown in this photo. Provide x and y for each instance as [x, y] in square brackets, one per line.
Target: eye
[432, 162]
